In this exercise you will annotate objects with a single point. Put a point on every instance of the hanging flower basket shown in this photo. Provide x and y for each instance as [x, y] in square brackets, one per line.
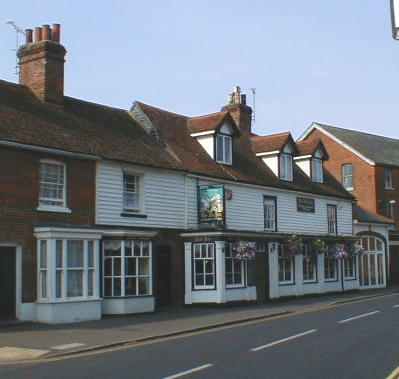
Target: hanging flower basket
[319, 246]
[292, 246]
[244, 250]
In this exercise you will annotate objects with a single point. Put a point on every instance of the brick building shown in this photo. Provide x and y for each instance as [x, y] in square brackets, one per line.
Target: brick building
[367, 165]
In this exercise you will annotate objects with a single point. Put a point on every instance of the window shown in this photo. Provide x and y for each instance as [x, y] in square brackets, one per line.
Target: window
[235, 269]
[330, 268]
[391, 208]
[309, 264]
[347, 176]
[127, 268]
[388, 178]
[131, 192]
[317, 170]
[332, 218]
[52, 184]
[270, 212]
[285, 267]
[224, 149]
[204, 266]
[350, 267]
[43, 269]
[74, 268]
[286, 166]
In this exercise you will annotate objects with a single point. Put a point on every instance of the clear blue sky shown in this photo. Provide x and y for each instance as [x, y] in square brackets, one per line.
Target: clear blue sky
[310, 60]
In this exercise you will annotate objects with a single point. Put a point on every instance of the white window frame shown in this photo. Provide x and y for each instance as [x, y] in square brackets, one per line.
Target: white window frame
[286, 167]
[270, 213]
[227, 155]
[347, 176]
[123, 274]
[352, 261]
[53, 269]
[139, 191]
[42, 206]
[308, 264]
[388, 178]
[332, 224]
[282, 259]
[317, 170]
[210, 255]
[330, 261]
[243, 269]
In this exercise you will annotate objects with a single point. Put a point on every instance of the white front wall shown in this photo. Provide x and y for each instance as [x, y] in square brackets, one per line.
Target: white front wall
[245, 210]
[271, 161]
[304, 165]
[208, 144]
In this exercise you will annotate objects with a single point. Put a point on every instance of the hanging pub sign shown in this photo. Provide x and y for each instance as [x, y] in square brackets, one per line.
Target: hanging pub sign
[211, 205]
[305, 204]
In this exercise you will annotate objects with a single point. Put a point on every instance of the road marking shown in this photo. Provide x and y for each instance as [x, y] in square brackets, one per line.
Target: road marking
[183, 373]
[283, 340]
[357, 317]
[68, 346]
[396, 306]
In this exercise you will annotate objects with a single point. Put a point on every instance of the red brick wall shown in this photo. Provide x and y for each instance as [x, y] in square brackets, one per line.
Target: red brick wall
[19, 191]
[365, 189]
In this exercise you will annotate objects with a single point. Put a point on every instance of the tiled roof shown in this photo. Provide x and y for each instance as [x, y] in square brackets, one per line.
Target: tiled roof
[379, 149]
[274, 142]
[308, 147]
[206, 123]
[362, 215]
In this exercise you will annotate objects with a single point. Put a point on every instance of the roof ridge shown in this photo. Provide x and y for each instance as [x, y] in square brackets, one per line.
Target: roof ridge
[209, 114]
[355, 130]
[271, 135]
[162, 110]
[99, 105]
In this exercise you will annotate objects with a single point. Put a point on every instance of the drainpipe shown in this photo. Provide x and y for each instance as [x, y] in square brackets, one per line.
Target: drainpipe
[342, 275]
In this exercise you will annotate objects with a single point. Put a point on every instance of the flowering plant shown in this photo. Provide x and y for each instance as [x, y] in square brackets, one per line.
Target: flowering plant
[244, 250]
[293, 245]
[340, 251]
[319, 246]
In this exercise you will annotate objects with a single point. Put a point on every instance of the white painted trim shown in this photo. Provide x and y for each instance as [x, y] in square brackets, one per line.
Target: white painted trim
[274, 152]
[48, 150]
[55, 209]
[199, 134]
[299, 157]
[337, 140]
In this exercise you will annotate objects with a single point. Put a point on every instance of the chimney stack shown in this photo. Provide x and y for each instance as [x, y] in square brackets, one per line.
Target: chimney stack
[41, 62]
[239, 110]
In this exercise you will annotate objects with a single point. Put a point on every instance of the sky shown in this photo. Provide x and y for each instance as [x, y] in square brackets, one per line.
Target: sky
[333, 62]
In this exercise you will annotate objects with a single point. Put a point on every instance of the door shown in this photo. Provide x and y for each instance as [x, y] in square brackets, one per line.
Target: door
[372, 263]
[163, 276]
[7, 283]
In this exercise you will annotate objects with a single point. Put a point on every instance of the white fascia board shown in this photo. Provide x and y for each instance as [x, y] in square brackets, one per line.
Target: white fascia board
[275, 152]
[199, 134]
[337, 140]
[300, 157]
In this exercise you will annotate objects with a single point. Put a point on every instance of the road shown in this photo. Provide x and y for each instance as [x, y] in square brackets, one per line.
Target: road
[357, 340]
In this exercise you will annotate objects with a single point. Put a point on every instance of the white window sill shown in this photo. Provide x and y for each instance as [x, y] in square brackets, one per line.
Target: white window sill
[350, 278]
[330, 280]
[234, 286]
[309, 281]
[287, 283]
[46, 208]
[225, 163]
[68, 300]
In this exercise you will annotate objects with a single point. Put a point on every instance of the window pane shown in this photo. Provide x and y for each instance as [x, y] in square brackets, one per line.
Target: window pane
[227, 146]
[219, 148]
[208, 267]
[229, 278]
[74, 253]
[144, 266]
[131, 286]
[130, 266]
[43, 281]
[90, 254]
[58, 254]
[75, 283]
[117, 287]
[144, 286]
[372, 243]
[43, 254]
[209, 280]
[107, 287]
[137, 250]
[108, 267]
[146, 249]
[112, 248]
[117, 266]
[199, 266]
[90, 283]
[58, 284]
[199, 280]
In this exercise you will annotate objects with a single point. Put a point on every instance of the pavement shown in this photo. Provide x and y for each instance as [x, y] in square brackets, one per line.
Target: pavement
[355, 340]
[21, 342]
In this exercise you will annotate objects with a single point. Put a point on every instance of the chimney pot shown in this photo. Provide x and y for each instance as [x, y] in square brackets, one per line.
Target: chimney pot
[46, 33]
[29, 35]
[38, 34]
[56, 33]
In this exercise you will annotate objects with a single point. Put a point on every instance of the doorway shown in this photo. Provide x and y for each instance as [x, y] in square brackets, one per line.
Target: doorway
[163, 282]
[7, 283]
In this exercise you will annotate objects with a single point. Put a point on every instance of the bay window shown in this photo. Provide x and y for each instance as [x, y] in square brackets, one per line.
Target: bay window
[70, 267]
[52, 185]
[224, 149]
[330, 268]
[234, 270]
[204, 274]
[286, 167]
[309, 265]
[127, 268]
[285, 267]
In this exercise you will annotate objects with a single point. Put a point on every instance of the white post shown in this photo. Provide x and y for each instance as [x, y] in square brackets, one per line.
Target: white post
[220, 271]
[188, 273]
[320, 272]
[273, 269]
[298, 274]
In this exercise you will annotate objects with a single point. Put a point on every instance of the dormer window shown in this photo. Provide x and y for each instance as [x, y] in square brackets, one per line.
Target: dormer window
[317, 170]
[286, 167]
[224, 149]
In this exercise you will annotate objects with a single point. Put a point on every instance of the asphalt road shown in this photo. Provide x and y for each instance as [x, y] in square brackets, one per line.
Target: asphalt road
[359, 340]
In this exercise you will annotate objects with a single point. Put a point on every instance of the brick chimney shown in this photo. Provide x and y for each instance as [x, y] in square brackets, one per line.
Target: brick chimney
[41, 62]
[239, 110]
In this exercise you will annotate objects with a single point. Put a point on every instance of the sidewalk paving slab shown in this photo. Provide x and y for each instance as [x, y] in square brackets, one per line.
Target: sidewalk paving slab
[62, 339]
